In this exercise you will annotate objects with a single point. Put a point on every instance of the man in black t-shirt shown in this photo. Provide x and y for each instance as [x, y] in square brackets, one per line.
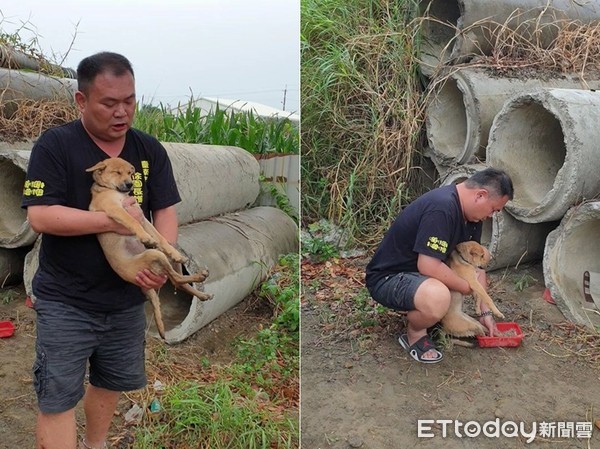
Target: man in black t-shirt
[85, 312]
[408, 271]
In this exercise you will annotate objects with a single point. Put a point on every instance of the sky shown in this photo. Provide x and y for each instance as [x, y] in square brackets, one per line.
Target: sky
[230, 49]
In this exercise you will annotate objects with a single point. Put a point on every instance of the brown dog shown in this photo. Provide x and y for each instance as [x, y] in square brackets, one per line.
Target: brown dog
[127, 255]
[464, 260]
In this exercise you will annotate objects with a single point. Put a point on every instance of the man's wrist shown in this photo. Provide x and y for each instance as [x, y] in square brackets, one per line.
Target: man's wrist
[486, 313]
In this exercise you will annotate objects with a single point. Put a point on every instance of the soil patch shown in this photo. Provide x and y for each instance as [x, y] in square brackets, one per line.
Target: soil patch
[361, 390]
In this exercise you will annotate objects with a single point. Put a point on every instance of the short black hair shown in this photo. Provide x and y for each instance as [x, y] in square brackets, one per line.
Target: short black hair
[494, 180]
[105, 61]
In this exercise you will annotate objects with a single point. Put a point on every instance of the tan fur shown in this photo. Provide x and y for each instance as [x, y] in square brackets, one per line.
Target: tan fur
[464, 260]
[113, 178]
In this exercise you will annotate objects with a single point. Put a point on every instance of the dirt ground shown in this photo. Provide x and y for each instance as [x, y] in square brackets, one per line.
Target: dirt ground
[18, 407]
[361, 390]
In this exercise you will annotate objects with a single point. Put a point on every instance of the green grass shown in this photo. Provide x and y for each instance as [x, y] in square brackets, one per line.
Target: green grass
[246, 130]
[362, 113]
[217, 415]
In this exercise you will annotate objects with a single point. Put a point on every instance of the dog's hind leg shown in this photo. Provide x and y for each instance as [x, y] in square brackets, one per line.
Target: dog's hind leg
[458, 323]
[161, 264]
[152, 296]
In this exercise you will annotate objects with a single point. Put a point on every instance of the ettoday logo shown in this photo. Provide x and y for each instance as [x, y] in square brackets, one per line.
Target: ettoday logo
[509, 429]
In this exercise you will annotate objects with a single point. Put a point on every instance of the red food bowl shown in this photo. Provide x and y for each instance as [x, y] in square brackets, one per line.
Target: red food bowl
[510, 341]
[7, 328]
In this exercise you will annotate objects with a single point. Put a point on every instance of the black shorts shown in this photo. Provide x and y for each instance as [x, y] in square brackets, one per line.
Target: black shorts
[68, 337]
[398, 291]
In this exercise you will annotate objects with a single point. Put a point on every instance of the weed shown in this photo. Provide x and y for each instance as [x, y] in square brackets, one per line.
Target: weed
[281, 199]
[319, 250]
[524, 281]
[218, 415]
[8, 296]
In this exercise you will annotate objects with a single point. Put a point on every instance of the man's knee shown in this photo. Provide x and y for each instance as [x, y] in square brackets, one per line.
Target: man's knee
[433, 298]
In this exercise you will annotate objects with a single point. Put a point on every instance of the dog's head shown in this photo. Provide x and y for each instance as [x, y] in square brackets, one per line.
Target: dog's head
[474, 254]
[113, 173]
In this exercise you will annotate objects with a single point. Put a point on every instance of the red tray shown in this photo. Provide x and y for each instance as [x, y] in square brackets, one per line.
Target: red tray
[510, 342]
[7, 328]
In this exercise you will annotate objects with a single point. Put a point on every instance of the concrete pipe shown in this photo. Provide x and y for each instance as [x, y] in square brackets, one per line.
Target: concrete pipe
[212, 180]
[31, 264]
[547, 142]
[12, 263]
[15, 59]
[238, 250]
[14, 227]
[18, 85]
[508, 240]
[571, 250]
[455, 30]
[462, 109]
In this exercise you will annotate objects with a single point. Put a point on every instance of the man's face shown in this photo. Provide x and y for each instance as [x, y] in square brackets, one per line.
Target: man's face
[107, 109]
[485, 205]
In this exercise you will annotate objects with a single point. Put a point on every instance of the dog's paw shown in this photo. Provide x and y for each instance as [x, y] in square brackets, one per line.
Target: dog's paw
[178, 258]
[148, 241]
[201, 276]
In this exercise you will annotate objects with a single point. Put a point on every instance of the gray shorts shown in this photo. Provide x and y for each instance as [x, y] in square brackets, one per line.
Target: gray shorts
[398, 291]
[68, 337]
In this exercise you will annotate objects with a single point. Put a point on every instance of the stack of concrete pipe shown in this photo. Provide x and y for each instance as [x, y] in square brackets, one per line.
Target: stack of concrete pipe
[543, 132]
[454, 31]
[219, 229]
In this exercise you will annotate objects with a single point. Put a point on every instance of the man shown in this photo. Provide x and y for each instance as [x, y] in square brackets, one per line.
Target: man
[408, 272]
[85, 312]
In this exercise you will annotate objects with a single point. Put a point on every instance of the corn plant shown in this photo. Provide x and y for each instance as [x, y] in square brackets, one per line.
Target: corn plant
[255, 134]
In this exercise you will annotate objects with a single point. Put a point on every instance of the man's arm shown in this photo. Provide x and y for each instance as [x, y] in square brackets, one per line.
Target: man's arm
[165, 222]
[435, 268]
[68, 221]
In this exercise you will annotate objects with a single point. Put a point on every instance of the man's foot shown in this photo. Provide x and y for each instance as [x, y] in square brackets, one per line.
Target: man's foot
[422, 350]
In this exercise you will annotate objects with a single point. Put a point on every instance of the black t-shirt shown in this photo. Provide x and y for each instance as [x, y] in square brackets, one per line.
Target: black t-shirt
[433, 225]
[74, 270]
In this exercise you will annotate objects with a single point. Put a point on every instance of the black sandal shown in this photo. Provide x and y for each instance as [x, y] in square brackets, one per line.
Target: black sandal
[420, 347]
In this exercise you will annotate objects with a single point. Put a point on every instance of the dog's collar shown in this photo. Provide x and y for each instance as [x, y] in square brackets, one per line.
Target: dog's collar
[466, 261]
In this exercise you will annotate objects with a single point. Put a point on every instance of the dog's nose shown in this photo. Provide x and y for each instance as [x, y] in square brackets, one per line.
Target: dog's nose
[129, 185]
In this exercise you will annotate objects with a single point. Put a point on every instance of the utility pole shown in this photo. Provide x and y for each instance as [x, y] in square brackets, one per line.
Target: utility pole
[284, 95]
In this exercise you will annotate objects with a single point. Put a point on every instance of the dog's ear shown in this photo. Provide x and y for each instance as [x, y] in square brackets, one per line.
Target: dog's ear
[99, 166]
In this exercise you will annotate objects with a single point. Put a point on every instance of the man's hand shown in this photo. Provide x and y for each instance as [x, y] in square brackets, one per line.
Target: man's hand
[147, 280]
[488, 321]
[131, 206]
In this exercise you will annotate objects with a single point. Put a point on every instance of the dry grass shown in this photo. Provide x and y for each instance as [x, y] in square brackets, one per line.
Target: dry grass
[32, 117]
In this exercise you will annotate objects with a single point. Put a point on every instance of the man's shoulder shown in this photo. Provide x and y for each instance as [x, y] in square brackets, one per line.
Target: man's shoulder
[66, 129]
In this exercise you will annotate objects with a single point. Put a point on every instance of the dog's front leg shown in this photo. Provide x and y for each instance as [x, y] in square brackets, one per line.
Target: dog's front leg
[480, 296]
[123, 218]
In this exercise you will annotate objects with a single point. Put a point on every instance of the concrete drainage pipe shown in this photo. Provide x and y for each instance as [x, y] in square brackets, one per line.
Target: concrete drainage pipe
[14, 227]
[212, 180]
[462, 109]
[238, 249]
[509, 240]
[455, 30]
[16, 85]
[547, 142]
[571, 250]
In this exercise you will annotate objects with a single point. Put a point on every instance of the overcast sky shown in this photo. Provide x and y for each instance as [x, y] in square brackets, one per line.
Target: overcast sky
[231, 49]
